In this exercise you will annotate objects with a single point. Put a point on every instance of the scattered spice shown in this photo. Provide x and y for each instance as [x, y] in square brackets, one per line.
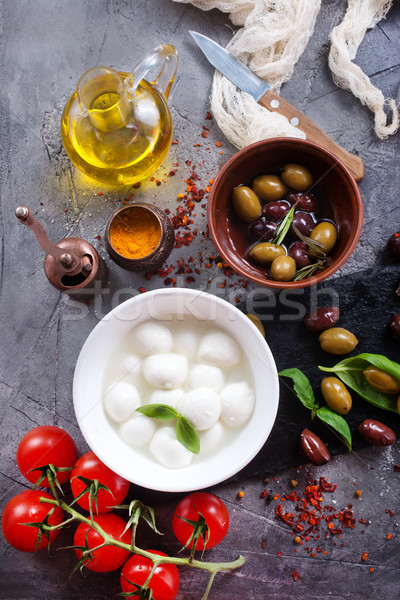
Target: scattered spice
[241, 494]
[264, 543]
[364, 556]
[295, 575]
[371, 569]
[389, 536]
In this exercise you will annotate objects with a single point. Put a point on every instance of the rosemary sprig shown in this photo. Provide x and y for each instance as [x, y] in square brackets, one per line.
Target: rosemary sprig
[309, 270]
[284, 226]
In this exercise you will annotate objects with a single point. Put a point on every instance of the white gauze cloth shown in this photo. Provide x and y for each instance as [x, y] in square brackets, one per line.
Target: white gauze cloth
[273, 35]
[346, 38]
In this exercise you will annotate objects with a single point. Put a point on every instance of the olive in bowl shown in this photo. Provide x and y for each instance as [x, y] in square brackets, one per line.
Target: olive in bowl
[334, 189]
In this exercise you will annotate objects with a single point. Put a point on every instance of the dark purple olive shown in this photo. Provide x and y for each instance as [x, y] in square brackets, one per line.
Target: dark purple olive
[305, 202]
[376, 433]
[276, 210]
[304, 223]
[313, 448]
[262, 229]
[298, 251]
[393, 245]
[395, 326]
[321, 319]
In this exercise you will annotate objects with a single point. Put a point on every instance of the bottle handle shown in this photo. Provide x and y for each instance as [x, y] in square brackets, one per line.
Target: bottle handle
[164, 80]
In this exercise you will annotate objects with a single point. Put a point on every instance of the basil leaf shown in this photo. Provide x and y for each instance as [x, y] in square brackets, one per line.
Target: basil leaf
[302, 387]
[350, 371]
[187, 435]
[337, 422]
[158, 411]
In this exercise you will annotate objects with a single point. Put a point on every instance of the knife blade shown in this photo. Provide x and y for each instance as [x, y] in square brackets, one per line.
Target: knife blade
[261, 91]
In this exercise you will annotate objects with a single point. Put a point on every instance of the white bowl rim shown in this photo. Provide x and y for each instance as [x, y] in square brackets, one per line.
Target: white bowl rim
[96, 428]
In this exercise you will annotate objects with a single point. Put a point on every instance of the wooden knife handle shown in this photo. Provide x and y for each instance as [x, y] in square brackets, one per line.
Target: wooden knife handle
[275, 103]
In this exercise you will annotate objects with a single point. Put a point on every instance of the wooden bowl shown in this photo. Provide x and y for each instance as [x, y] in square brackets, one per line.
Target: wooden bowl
[335, 188]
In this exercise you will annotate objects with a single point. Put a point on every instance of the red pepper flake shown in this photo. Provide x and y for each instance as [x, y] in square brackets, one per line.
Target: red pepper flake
[279, 554]
[204, 134]
[218, 144]
[142, 290]
[389, 536]
[209, 115]
[99, 193]
[364, 556]
[136, 185]
[295, 575]
[97, 237]
[174, 142]
[371, 569]
[396, 468]
[264, 543]
[397, 234]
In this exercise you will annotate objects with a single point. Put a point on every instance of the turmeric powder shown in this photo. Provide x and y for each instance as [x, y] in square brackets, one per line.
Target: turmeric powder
[135, 233]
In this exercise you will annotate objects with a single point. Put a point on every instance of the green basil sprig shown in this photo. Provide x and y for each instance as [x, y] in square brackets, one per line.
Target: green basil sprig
[185, 432]
[350, 371]
[305, 394]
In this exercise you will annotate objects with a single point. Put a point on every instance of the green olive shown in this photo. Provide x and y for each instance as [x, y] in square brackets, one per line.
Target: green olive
[297, 177]
[337, 340]
[336, 395]
[326, 234]
[265, 252]
[382, 381]
[283, 268]
[246, 204]
[269, 187]
[258, 323]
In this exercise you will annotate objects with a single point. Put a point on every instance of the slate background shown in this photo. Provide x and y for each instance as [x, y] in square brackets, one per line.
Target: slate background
[45, 48]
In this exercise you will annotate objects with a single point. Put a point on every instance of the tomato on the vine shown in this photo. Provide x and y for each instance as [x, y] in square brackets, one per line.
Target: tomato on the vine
[91, 467]
[107, 558]
[44, 445]
[27, 508]
[164, 582]
[211, 508]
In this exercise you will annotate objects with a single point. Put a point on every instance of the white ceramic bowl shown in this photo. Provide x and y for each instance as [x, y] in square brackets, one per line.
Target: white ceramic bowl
[103, 438]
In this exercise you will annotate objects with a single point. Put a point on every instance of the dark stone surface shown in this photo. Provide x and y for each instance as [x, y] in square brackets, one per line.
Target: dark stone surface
[45, 48]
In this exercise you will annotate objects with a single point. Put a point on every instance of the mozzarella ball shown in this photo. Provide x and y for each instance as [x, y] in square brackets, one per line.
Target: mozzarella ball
[168, 451]
[121, 400]
[168, 397]
[219, 349]
[237, 403]
[138, 430]
[208, 375]
[151, 338]
[186, 342]
[165, 371]
[210, 438]
[202, 407]
[131, 368]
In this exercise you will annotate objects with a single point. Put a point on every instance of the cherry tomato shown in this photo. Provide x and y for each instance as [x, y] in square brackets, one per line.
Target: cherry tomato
[107, 558]
[46, 445]
[91, 467]
[214, 512]
[164, 582]
[27, 508]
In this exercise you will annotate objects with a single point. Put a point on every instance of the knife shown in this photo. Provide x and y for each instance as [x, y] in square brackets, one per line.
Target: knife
[261, 91]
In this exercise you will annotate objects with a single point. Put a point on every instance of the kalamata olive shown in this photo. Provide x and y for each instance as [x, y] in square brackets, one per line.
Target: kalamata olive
[283, 268]
[269, 187]
[337, 340]
[257, 322]
[336, 395]
[298, 251]
[313, 448]
[297, 177]
[325, 233]
[265, 252]
[276, 210]
[376, 433]
[304, 223]
[393, 245]
[382, 381]
[261, 228]
[395, 326]
[246, 204]
[305, 202]
[322, 318]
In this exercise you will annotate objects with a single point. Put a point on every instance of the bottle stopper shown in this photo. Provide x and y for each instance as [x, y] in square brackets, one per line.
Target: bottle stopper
[71, 264]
